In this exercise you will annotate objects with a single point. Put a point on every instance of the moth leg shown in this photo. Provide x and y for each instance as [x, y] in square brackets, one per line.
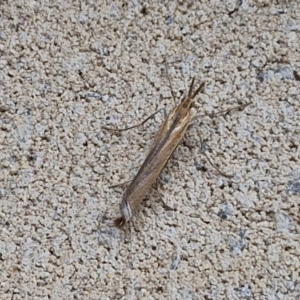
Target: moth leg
[167, 207]
[134, 126]
[221, 113]
[119, 184]
[203, 151]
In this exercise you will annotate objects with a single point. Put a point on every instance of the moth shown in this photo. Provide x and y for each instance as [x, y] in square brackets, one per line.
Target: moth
[164, 144]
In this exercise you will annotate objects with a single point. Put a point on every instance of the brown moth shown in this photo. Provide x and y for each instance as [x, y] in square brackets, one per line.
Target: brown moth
[165, 142]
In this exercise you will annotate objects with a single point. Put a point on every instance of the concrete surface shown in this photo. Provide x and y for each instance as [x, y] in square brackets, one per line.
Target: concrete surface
[68, 68]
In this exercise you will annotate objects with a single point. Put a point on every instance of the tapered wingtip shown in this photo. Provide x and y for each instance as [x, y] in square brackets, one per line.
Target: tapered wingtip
[120, 222]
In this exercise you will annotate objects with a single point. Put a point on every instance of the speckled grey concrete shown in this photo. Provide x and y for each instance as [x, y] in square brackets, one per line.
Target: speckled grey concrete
[66, 69]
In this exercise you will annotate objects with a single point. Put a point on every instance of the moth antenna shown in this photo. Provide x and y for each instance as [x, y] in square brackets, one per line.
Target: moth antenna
[199, 89]
[167, 72]
[191, 88]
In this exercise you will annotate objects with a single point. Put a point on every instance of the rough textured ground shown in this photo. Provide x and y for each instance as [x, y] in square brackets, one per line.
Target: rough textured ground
[66, 69]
